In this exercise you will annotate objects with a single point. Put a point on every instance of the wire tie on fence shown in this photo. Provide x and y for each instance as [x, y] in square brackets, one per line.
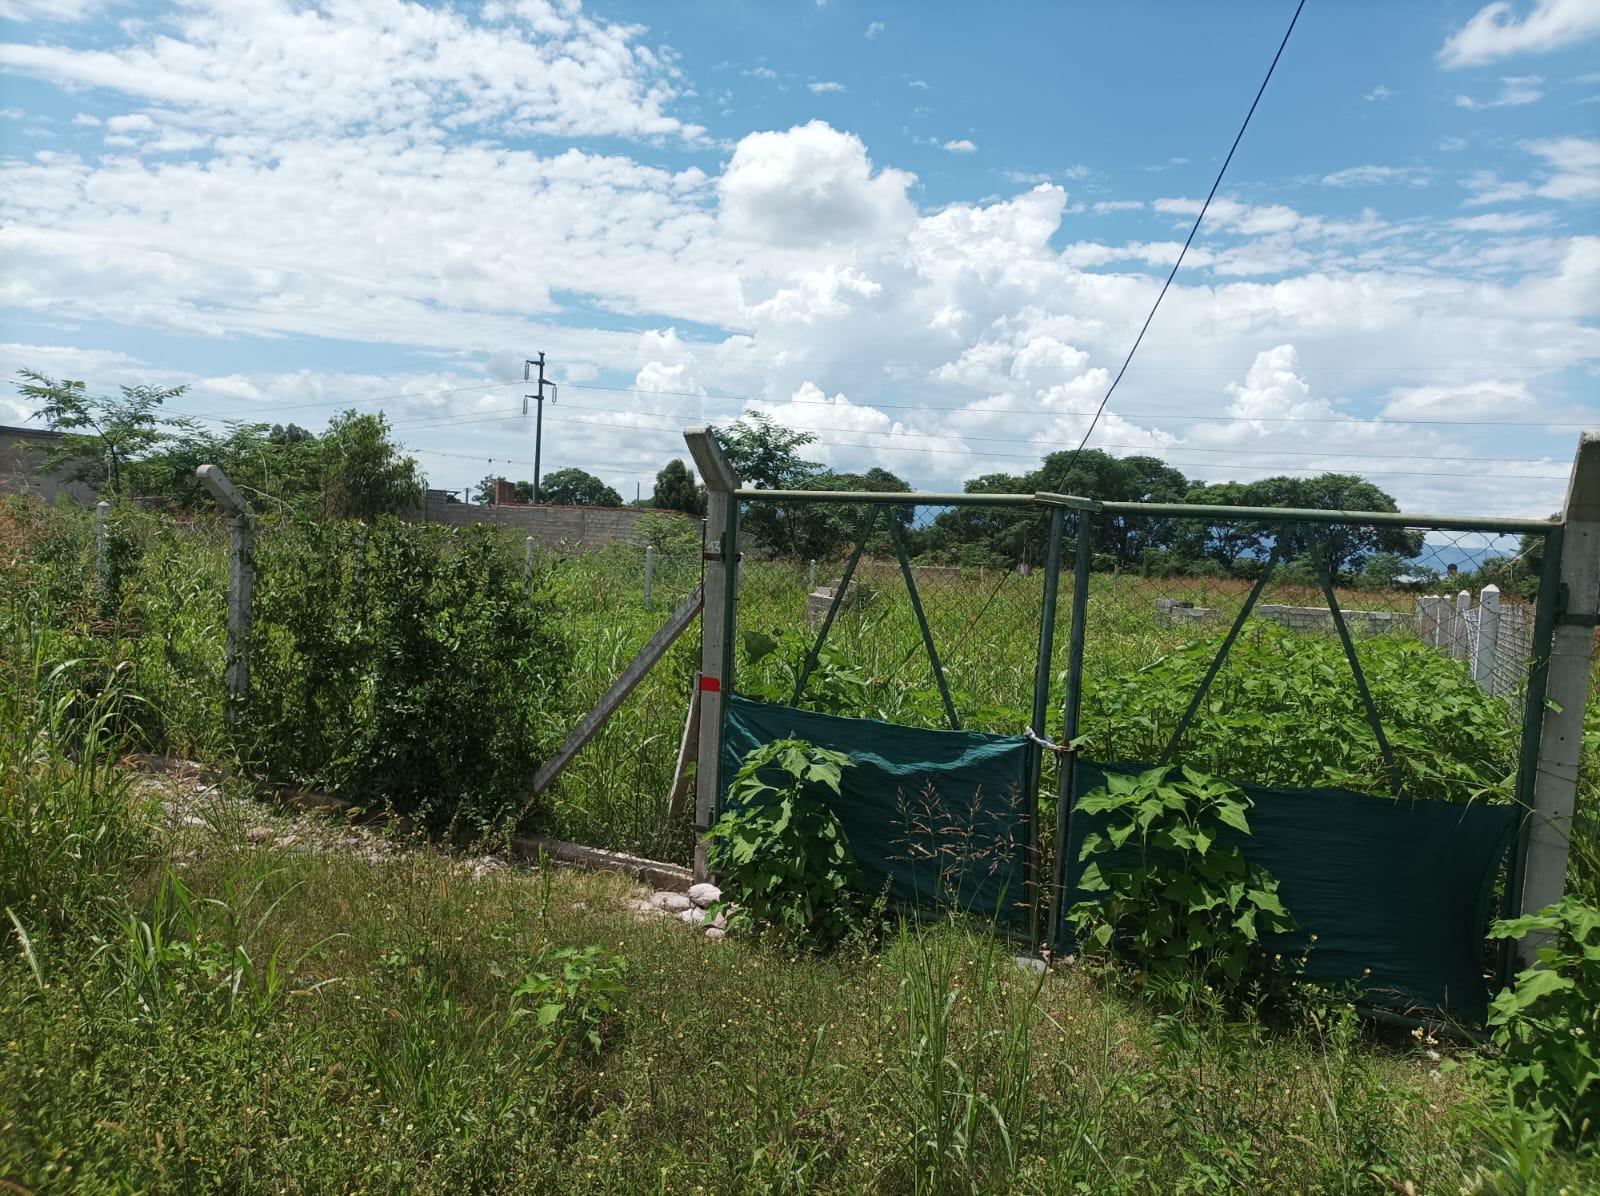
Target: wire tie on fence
[1045, 741]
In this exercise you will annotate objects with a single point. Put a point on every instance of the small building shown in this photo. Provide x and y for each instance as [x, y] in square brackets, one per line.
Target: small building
[22, 455]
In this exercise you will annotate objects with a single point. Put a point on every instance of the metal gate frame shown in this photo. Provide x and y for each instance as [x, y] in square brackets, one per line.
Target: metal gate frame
[1546, 766]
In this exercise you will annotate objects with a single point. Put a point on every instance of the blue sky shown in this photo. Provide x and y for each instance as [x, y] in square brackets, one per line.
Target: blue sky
[926, 236]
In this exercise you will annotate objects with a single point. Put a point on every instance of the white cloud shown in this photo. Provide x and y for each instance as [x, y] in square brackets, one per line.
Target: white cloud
[1501, 222]
[761, 72]
[812, 185]
[68, 11]
[1574, 163]
[1452, 144]
[1488, 399]
[1380, 92]
[874, 29]
[807, 273]
[277, 69]
[1118, 205]
[1496, 31]
[828, 85]
[918, 83]
[1488, 187]
[1515, 90]
[960, 146]
[1376, 176]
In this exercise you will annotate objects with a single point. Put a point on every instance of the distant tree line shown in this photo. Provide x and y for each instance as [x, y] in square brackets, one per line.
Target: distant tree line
[768, 455]
[125, 445]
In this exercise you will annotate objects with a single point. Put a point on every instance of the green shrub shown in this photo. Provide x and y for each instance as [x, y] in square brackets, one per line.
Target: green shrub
[401, 664]
[572, 994]
[1284, 711]
[1180, 898]
[780, 853]
[1546, 1025]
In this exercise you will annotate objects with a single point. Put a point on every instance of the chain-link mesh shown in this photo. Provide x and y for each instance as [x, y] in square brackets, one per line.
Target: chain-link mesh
[1440, 624]
[982, 617]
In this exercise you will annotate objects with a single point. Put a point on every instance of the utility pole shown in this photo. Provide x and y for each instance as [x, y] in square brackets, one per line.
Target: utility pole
[538, 420]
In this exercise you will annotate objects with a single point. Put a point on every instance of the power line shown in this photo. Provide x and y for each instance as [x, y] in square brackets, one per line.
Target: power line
[1089, 431]
[1146, 447]
[1032, 457]
[1169, 417]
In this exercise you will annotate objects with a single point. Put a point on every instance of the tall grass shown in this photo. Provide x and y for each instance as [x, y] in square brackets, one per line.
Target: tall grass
[68, 823]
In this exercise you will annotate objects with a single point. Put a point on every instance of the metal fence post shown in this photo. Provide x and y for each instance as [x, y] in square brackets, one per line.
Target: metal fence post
[649, 573]
[1559, 687]
[720, 564]
[241, 584]
[1042, 672]
[1485, 644]
[1069, 724]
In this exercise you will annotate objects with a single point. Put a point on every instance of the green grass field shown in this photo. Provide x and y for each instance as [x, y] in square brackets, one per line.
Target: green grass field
[189, 1005]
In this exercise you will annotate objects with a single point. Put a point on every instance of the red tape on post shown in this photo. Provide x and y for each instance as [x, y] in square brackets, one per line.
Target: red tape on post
[711, 685]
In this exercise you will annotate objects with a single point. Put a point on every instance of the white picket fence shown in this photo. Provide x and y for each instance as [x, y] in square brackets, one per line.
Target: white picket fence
[1495, 639]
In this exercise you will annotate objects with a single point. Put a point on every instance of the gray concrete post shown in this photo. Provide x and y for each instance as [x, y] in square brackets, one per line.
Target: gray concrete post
[716, 628]
[1555, 788]
[241, 583]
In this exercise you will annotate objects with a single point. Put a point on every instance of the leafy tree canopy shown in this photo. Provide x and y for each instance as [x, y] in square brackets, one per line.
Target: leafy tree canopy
[577, 488]
[676, 490]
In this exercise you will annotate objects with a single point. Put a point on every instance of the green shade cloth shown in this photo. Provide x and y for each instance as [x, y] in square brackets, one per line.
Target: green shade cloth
[933, 817]
[1398, 886]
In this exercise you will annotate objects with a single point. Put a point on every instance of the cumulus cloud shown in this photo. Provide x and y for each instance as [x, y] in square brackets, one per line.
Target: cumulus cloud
[274, 68]
[874, 29]
[825, 86]
[1496, 31]
[811, 185]
[942, 342]
[959, 146]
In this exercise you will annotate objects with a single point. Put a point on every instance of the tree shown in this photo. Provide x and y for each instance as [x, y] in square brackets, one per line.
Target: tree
[1339, 549]
[765, 454]
[821, 530]
[362, 472]
[577, 488]
[676, 490]
[104, 437]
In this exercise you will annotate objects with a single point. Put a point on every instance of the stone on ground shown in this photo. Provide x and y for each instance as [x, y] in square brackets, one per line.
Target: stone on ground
[704, 894]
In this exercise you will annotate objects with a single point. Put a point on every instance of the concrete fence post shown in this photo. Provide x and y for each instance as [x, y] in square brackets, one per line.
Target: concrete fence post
[241, 583]
[1555, 786]
[717, 626]
[1486, 643]
[102, 543]
[811, 577]
[527, 562]
[649, 575]
[1461, 626]
[1430, 618]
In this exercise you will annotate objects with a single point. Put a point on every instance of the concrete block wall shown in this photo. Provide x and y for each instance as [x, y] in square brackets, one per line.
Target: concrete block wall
[551, 526]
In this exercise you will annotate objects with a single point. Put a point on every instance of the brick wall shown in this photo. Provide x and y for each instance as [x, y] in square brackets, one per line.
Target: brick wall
[583, 527]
